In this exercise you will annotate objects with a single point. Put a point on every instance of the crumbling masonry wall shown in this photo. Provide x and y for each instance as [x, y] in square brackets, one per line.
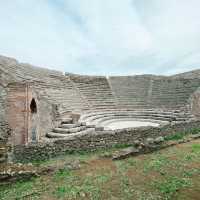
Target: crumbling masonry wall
[95, 141]
[5, 132]
[28, 125]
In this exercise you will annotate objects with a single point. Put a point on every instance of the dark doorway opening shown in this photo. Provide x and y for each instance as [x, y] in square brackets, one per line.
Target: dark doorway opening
[33, 106]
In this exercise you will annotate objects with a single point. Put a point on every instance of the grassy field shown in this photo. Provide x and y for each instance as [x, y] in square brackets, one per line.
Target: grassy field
[172, 173]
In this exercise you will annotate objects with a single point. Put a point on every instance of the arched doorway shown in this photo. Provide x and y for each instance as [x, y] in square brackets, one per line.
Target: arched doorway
[33, 109]
[33, 106]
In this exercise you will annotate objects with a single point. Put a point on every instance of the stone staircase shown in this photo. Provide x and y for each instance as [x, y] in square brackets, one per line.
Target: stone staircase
[69, 128]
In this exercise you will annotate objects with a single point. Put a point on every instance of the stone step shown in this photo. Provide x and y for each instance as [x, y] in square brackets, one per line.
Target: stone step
[59, 135]
[69, 126]
[68, 131]
[66, 121]
[55, 135]
[128, 113]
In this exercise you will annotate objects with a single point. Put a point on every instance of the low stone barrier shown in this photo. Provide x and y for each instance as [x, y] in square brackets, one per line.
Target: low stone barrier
[5, 133]
[97, 140]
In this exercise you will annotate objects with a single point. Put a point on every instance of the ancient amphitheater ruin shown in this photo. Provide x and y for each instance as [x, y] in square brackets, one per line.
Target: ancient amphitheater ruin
[44, 113]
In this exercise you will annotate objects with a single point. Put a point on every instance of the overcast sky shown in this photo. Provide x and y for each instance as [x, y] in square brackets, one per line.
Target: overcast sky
[107, 37]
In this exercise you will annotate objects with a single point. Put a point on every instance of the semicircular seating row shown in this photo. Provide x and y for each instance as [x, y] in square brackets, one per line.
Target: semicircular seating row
[92, 121]
[158, 116]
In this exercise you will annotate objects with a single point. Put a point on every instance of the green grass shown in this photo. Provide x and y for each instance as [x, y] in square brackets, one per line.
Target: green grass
[19, 190]
[81, 155]
[77, 191]
[74, 188]
[177, 136]
[191, 172]
[196, 148]
[124, 165]
[157, 163]
[181, 135]
[194, 131]
[171, 185]
[157, 176]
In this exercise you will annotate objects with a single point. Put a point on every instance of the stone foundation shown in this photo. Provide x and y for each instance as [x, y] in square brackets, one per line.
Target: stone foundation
[97, 140]
[4, 142]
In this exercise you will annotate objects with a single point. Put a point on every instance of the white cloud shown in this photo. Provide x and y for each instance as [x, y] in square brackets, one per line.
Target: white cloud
[103, 36]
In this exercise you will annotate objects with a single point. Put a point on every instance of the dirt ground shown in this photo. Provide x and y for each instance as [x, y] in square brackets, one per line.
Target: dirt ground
[172, 173]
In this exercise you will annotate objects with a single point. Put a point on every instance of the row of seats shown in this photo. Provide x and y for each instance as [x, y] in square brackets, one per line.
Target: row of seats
[92, 93]
[51, 85]
[152, 91]
[96, 91]
[131, 91]
[96, 118]
[172, 93]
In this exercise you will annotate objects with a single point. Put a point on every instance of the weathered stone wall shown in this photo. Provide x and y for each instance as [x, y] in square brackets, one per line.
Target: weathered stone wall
[195, 104]
[4, 131]
[5, 145]
[4, 128]
[16, 112]
[5, 78]
[28, 126]
[46, 117]
[3, 94]
[96, 140]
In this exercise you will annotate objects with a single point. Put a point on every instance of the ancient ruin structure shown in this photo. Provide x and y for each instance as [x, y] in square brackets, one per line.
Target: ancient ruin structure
[44, 112]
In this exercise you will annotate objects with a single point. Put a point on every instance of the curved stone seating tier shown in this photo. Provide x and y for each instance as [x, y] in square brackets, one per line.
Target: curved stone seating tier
[97, 121]
[105, 121]
[81, 93]
[61, 135]
[100, 119]
[158, 113]
[67, 99]
[131, 91]
[173, 92]
[67, 129]
[50, 84]
[25, 71]
[153, 91]
[191, 75]
[121, 123]
[95, 90]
